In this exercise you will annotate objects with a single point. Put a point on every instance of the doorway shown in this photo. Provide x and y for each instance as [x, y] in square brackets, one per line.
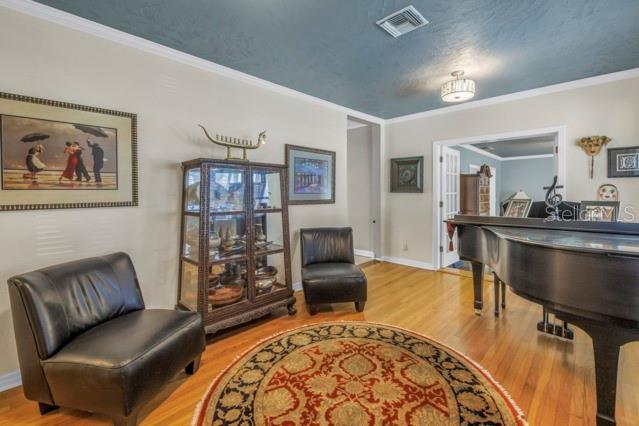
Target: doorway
[515, 160]
[363, 186]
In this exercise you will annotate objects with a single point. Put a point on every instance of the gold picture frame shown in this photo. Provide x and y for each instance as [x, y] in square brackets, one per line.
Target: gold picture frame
[59, 155]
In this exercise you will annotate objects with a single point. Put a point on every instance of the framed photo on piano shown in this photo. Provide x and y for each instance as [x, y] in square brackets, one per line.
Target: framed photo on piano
[518, 207]
[599, 211]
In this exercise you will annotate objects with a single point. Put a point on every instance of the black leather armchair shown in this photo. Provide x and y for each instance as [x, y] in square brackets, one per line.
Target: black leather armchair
[86, 341]
[329, 273]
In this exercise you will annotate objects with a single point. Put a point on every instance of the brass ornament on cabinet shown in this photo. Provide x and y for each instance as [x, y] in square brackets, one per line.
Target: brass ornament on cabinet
[240, 143]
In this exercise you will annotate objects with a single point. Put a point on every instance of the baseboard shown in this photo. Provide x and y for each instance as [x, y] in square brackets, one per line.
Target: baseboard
[297, 286]
[364, 253]
[10, 381]
[408, 262]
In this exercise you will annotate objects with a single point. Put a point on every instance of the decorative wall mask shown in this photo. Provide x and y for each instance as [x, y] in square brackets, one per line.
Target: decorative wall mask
[607, 192]
[592, 146]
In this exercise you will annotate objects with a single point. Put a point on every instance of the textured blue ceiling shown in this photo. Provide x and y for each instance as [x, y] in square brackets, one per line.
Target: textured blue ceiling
[333, 50]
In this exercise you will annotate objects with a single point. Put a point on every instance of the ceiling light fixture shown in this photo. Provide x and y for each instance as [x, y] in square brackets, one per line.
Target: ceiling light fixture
[459, 89]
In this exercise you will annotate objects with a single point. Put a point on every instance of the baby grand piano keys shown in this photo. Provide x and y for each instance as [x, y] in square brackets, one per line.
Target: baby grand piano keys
[586, 273]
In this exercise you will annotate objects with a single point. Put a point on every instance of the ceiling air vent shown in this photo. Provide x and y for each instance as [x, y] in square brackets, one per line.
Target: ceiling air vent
[402, 21]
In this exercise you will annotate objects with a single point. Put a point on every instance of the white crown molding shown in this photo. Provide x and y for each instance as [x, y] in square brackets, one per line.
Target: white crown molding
[408, 262]
[482, 152]
[56, 16]
[570, 85]
[500, 158]
[59, 17]
[528, 157]
[10, 381]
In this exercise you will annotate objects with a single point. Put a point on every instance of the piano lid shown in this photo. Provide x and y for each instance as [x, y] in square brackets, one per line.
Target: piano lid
[571, 240]
[621, 228]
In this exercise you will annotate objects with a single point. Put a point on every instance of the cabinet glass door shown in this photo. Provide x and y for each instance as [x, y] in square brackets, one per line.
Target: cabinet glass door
[190, 239]
[269, 236]
[228, 279]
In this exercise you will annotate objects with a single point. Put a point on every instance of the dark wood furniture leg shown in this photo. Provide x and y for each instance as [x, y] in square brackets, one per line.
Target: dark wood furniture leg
[46, 408]
[312, 309]
[496, 286]
[292, 310]
[193, 366]
[478, 276]
[503, 294]
[359, 306]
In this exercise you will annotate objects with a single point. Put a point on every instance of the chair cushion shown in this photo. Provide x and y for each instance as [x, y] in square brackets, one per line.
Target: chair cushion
[121, 364]
[333, 282]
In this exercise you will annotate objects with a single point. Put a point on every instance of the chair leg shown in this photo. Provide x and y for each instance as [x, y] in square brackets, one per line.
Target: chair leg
[46, 408]
[359, 306]
[312, 309]
[130, 420]
[503, 294]
[193, 366]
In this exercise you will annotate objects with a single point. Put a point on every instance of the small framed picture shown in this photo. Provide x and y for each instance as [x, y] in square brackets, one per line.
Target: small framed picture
[599, 211]
[311, 175]
[518, 207]
[623, 162]
[407, 174]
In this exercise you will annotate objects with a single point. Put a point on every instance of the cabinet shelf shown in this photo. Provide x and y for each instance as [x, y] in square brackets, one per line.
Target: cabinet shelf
[242, 187]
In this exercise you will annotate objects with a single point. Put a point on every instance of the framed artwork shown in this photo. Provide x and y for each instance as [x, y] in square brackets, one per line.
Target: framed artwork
[311, 175]
[518, 207]
[407, 174]
[623, 162]
[57, 155]
[599, 211]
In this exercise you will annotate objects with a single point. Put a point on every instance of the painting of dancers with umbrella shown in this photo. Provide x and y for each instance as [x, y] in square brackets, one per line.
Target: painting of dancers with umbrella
[40, 154]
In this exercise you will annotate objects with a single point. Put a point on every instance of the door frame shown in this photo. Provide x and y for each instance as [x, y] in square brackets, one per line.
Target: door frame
[560, 135]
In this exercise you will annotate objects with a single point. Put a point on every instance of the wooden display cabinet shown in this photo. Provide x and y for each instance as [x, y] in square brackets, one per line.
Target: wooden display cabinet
[235, 261]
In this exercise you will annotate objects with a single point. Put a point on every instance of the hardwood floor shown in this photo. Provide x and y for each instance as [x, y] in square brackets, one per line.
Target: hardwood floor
[551, 380]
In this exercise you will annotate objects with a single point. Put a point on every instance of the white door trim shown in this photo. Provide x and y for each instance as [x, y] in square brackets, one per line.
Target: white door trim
[559, 131]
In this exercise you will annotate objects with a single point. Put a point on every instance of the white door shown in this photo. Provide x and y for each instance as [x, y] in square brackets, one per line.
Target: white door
[493, 192]
[449, 204]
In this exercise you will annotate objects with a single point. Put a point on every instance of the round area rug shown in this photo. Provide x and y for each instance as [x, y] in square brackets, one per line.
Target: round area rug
[354, 373]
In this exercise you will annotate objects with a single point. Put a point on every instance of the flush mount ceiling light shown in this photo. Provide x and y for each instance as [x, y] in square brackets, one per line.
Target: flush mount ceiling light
[459, 89]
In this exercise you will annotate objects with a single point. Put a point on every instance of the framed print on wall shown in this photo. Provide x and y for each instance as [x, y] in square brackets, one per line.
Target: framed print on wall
[57, 155]
[407, 174]
[623, 162]
[311, 175]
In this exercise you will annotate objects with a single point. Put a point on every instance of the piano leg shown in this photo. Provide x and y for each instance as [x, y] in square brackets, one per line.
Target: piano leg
[503, 294]
[478, 276]
[496, 285]
[606, 343]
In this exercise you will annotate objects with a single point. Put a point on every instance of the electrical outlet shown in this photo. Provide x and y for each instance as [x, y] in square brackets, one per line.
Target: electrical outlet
[405, 247]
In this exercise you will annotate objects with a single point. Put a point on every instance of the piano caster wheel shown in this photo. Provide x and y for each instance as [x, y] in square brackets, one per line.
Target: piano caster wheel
[559, 331]
[541, 326]
[477, 312]
[568, 334]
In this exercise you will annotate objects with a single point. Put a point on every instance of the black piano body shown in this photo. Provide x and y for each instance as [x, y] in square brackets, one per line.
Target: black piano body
[586, 273]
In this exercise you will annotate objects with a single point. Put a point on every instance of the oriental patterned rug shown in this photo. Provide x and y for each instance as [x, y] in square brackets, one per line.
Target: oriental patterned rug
[354, 373]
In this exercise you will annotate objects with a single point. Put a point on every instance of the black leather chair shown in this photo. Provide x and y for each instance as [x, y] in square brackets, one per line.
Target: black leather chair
[329, 273]
[86, 341]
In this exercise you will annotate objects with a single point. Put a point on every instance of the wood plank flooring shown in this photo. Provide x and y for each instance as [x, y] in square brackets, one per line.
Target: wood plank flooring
[551, 380]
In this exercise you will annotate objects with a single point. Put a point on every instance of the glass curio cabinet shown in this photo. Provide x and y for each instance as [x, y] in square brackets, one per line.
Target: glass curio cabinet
[235, 262]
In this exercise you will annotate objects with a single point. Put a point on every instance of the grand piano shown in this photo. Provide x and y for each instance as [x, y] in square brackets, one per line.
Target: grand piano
[585, 273]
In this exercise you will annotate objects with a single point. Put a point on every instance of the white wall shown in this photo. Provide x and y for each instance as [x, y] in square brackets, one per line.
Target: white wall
[360, 177]
[610, 109]
[529, 175]
[44, 60]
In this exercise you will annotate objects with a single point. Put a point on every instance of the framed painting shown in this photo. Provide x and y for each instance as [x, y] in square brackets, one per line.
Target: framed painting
[599, 211]
[311, 175]
[407, 174]
[623, 162]
[518, 207]
[57, 155]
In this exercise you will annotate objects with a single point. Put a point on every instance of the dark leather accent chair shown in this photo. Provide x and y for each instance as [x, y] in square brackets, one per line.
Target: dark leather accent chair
[329, 273]
[86, 341]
